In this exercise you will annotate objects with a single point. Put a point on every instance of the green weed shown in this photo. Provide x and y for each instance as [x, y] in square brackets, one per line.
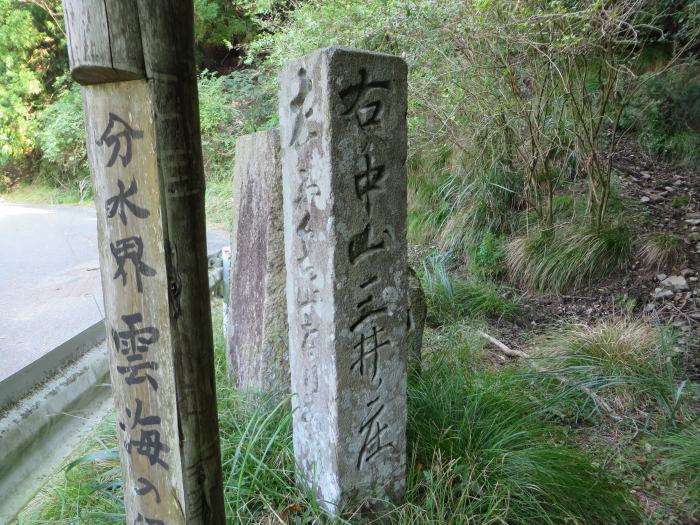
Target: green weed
[485, 455]
[218, 203]
[681, 200]
[44, 193]
[488, 259]
[89, 490]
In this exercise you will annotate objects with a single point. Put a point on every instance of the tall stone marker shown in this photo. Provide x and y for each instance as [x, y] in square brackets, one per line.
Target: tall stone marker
[343, 135]
[135, 59]
[257, 329]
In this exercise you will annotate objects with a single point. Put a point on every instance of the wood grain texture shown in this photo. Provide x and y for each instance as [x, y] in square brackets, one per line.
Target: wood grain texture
[131, 101]
[104, 40]
[168, 47]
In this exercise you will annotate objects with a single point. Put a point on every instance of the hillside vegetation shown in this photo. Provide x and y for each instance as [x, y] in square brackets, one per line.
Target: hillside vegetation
[554, 220]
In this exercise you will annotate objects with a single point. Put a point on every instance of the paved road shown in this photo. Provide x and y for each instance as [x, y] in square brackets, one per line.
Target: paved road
[50, 279]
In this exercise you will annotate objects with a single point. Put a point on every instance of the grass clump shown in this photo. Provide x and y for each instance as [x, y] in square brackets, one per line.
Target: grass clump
[661, 250]
[629, 363]
[555, 261]
[451, 298]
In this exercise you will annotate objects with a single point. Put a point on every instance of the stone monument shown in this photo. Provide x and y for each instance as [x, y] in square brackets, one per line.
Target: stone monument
[343, 137]
[257, 313]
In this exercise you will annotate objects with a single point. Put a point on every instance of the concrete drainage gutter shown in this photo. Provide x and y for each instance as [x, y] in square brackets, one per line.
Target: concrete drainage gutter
[45, 410]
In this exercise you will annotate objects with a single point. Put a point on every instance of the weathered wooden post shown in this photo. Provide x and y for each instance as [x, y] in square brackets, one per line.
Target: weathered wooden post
[135, 60]
[343, 137]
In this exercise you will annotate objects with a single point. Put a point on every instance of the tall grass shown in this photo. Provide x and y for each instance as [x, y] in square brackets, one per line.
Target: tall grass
[483, 454]
[680, 453]
[89, 490]
[661, 250]
[452, 297]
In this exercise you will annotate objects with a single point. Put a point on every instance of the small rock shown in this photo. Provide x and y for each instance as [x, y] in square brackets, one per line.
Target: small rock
[645, 199]
[687, 272]
[660, 294]
[677, 283]
[668, 188]
[650, 307]
[693, 279]
[694, 315]
[693, 222]
[661, 276]
[694, 236]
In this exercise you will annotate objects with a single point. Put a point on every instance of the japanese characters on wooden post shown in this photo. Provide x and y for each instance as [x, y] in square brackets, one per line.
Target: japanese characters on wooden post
[343, 132]
[153, 273]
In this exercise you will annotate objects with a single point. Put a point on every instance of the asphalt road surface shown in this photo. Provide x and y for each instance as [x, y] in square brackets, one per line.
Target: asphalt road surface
[50, 286]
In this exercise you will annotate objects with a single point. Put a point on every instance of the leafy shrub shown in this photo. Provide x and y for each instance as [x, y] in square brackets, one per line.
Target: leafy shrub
[230, 105]
[61, 138]
[217, 23]
[489, 257]
[20, 76]
[218, 123]
[559, 260]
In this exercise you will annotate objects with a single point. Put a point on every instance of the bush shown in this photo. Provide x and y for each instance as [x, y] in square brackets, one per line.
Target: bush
[489, 257]
[220, 125]
[61, 139]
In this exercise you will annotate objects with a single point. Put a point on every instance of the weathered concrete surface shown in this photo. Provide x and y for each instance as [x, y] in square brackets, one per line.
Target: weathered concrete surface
[343, 135]
[40, 432]
[257, 325]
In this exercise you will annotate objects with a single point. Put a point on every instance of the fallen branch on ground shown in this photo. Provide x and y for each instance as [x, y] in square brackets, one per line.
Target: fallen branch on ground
[601, 403]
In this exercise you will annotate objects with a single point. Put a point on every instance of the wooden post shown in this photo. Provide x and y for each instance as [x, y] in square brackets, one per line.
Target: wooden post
[135, 60]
